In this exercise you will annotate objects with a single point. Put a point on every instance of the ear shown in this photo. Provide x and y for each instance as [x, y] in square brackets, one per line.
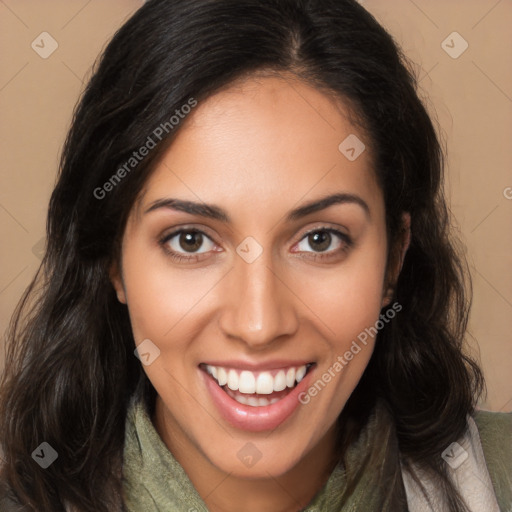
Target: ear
[117, 282]
[397, 260]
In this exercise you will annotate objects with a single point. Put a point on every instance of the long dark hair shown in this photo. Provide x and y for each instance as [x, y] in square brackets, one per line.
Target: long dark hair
[70, 369]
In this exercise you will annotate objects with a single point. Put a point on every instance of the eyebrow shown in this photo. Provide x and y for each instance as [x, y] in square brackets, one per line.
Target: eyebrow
[215, 212]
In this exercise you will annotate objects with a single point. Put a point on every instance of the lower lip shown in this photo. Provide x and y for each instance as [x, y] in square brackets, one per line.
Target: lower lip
[255, 419]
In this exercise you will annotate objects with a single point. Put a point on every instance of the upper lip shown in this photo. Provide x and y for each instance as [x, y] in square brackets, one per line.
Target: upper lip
[258, 366]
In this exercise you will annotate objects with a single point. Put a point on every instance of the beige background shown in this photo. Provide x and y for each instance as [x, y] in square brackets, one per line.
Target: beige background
[472, 95]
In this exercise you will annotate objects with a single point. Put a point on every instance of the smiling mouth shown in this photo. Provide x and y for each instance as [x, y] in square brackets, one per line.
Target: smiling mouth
[257, 388]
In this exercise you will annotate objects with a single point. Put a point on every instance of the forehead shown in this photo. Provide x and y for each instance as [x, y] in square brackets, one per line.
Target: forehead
[267, 141]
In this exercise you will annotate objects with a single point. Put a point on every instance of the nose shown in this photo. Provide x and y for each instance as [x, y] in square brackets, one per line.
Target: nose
[258, 306]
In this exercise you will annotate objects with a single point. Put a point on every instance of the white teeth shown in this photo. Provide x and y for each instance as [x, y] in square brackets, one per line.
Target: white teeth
[265, 384]
[222, 376]
[299, 375]
[241, 399]
[247, 383]
[280, 381]
[262, 383]
[253, 401]
[233, 380]
[290, 377]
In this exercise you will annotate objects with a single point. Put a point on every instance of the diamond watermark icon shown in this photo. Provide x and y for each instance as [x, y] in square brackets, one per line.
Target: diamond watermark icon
[352, 147]
[44, 45]
[44, 455]
[454, 45]
[249, 455]
[249, 250]
[39, 248]
[454, 455]
[147, 352]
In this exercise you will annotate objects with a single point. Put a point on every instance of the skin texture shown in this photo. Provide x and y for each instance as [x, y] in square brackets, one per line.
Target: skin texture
[258, 149]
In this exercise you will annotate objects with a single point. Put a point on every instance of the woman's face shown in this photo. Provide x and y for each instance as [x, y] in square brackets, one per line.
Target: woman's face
[232, 265]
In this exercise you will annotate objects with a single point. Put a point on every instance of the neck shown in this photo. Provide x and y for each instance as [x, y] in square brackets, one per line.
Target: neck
[224, 492]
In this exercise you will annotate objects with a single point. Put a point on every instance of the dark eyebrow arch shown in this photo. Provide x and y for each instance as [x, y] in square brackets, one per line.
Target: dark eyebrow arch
[214, 212]
[204, 210]
[325, 202]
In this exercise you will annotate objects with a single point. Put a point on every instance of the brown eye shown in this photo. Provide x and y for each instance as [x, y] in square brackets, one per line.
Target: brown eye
[190, 241]
[324, 244]
[323, 240]
[320, 240]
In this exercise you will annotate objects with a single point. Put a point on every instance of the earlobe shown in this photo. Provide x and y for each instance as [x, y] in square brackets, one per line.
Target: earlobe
[117, 282]
[388, 296]
[405, 242]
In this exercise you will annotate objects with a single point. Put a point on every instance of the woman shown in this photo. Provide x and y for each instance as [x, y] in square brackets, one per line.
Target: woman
[249, 298]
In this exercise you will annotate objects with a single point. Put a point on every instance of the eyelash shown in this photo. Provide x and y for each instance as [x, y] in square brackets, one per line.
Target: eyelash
[347, 244]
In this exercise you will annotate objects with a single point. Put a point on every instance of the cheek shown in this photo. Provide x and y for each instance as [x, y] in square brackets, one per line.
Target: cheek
[161, 298]
[349, 298]
[347, 303]
[170, 308]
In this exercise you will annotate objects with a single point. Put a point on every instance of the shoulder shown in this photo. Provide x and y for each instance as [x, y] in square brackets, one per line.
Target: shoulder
[493, 423]
[495, 433]
[480, 467]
